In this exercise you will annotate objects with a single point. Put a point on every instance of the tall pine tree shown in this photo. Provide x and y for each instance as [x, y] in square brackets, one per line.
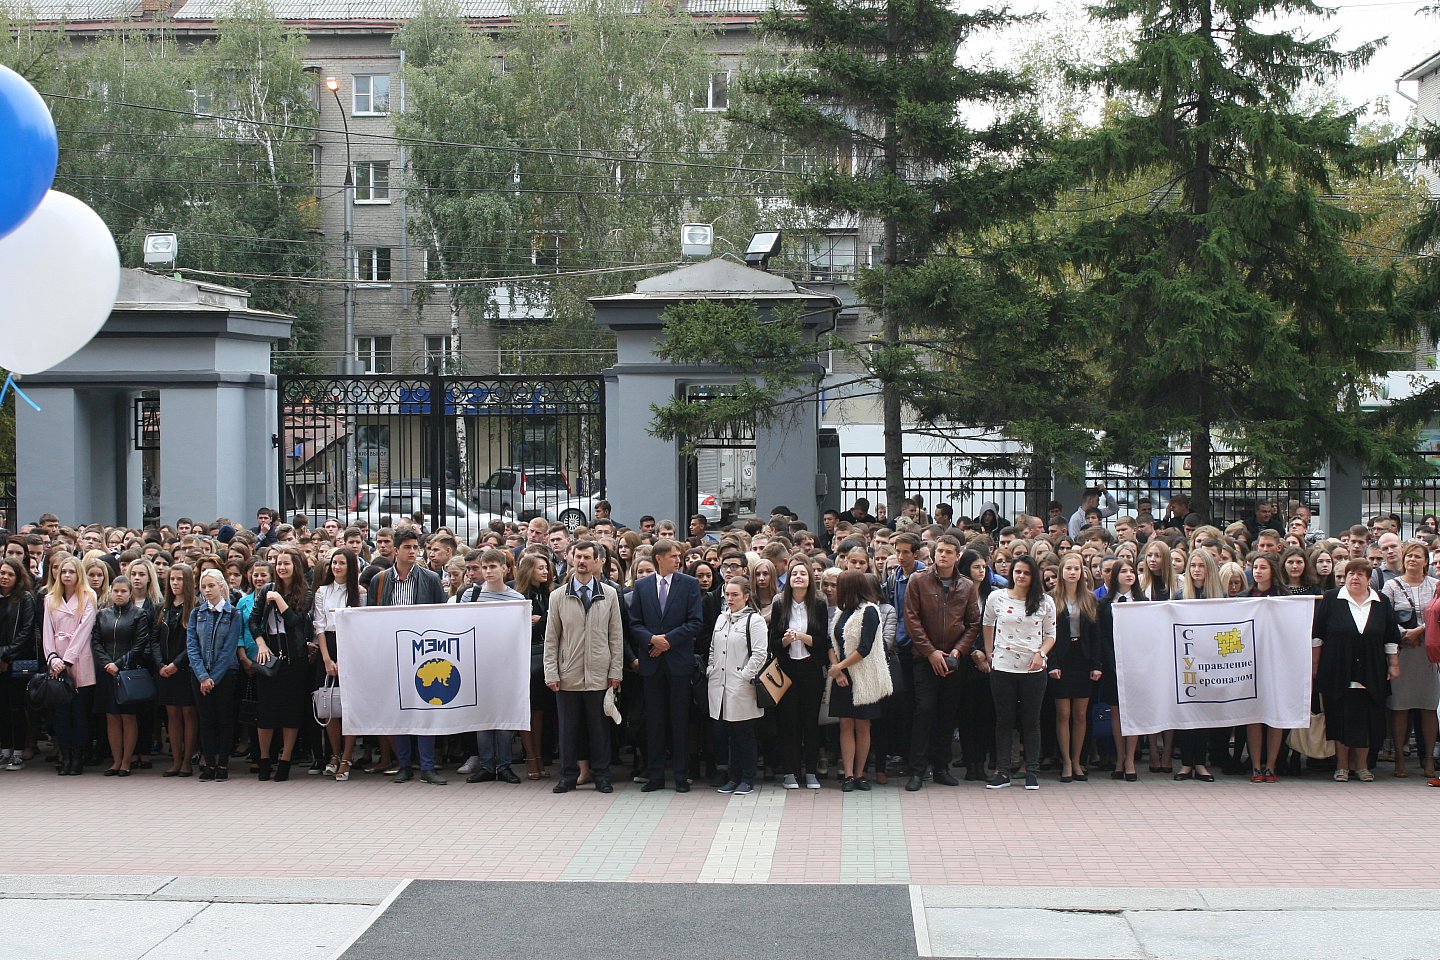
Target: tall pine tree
[880, 100]
[1234, 307]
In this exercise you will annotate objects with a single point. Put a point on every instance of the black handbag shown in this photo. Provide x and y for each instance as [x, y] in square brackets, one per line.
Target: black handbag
[270, 667]
[46, 691]
[134, 685]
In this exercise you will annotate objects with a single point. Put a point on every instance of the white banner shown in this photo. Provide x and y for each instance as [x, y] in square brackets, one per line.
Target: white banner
[435, 668]
[1191, 664]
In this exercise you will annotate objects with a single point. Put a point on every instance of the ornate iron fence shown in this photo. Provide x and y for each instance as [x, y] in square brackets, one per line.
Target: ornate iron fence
[461, 450]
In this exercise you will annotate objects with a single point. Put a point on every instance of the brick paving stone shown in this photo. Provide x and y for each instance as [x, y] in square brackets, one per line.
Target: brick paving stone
[1155, 833]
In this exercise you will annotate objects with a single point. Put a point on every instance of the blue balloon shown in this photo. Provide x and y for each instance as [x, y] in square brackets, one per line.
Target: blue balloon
[29, 150]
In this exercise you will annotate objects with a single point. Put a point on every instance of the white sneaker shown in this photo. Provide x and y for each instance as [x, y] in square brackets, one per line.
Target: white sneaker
[16, 762]
[790, 783]
[812, 782]
[469, 766]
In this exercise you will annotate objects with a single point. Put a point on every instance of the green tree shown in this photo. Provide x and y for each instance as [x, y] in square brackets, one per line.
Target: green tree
[1233, 307]
[236, 186]
[592, 159]
[877, 104]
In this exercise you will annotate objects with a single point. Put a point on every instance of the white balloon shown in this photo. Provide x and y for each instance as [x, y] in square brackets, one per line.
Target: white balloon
[59, 275]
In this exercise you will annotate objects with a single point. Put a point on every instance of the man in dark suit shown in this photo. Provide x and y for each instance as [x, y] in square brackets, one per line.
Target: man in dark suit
[666, 617]
[406, 583]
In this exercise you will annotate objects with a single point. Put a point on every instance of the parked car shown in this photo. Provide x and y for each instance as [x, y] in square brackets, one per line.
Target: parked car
[576, 512]
[532, 488]
[374, 502]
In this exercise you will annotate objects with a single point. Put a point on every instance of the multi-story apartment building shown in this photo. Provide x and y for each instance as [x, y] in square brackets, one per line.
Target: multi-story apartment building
[359, 87]
[1426, 74]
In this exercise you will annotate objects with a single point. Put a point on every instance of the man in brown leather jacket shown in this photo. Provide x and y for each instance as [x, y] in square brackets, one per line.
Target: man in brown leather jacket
[942, 617]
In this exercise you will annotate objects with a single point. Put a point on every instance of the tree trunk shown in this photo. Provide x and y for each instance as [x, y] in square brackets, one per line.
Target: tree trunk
[462, 451]
[890, 400]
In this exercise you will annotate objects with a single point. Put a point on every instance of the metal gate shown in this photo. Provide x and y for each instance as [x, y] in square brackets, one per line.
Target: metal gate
[460, 450]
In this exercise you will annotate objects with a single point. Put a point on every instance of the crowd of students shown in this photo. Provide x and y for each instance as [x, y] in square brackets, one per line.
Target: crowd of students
[909, 648]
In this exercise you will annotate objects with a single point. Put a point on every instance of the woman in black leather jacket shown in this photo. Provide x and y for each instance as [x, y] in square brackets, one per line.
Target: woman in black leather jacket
[120, 641]
[17, 647]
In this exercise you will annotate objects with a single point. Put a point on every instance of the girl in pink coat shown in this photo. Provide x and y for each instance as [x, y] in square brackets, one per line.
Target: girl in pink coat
[69, 618]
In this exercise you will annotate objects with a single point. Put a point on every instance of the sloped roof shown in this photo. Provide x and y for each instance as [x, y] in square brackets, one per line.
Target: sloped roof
[406, 9]
[78, 10]
[1424, 68]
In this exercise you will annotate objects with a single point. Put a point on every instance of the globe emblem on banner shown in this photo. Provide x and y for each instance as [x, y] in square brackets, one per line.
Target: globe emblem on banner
[437, 681]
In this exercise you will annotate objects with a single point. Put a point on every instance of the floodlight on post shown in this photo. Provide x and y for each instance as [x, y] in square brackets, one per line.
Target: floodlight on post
[161, 250]
[697, 239]
[763, 246]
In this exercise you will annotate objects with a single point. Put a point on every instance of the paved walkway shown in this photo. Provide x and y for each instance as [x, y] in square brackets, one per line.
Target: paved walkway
[171, 918]
[152, 869]
[1155, 833]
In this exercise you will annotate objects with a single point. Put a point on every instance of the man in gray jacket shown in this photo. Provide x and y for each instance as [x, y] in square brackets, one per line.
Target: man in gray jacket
[583, 657]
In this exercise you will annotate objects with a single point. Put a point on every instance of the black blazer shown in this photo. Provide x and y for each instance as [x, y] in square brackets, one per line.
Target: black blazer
[1350, 655]
[1091, 645]
[817, 625]
[168, 644]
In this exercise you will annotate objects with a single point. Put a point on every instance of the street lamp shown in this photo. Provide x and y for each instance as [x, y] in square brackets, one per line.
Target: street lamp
[348, 363]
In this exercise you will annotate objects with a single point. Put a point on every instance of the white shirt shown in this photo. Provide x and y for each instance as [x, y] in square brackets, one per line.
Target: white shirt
[328, 599]
[1018, 637]
[799, 622]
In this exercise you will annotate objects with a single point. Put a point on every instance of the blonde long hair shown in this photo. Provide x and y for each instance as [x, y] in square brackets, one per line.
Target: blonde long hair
[1085, 589]
[1165, 580]
[56, 597]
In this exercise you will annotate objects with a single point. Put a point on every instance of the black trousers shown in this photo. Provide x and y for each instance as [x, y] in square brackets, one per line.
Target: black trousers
[216, 718]
[798, 717]
[14, 725]
[893, 735]
[977, 717]
[937, 701]
[216, 713]
[1024, 692]
[744, 760]
[577, 709]
[1204, 746]
[667, 711]
[72, 722]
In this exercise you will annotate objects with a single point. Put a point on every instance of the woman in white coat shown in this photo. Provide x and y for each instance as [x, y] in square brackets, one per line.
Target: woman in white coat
[737, 655]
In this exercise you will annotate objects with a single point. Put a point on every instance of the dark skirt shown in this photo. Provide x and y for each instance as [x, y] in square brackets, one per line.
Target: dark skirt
[842, 705]
[177, 690]
[105, 696]
[1074, 682]
[284, 699]
[1352, 721]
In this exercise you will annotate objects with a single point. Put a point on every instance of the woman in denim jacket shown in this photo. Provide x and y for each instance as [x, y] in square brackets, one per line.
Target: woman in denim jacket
[211, 639]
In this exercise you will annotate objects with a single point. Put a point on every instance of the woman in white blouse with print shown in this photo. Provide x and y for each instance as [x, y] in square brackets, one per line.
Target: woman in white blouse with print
[339, 588]
[1019, 627]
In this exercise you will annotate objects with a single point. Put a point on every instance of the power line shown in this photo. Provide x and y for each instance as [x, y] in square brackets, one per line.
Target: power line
[463, 281]
[415, 141]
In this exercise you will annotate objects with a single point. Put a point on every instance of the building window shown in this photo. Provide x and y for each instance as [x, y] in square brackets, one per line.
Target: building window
[877, 256]
[545, 251]
[716, 95]
[372, 264]
[438, 353]
[372, 181]
[830, 257]
[374, 354]
[372, 94]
